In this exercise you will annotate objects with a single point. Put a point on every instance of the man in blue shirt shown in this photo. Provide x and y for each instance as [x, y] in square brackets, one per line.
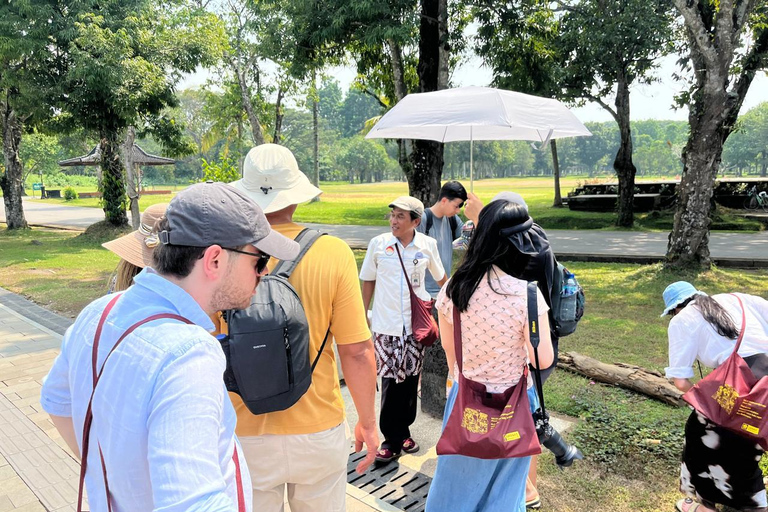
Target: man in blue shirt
[162, 432]
[441, 221]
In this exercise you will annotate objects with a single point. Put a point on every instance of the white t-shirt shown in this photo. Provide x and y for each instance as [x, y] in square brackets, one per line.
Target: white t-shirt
[691, 337]
[391, 300]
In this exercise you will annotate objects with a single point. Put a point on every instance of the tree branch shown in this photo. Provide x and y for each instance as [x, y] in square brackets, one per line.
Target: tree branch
[756, 59]
[374, 96]
[698, 32]
[605, 106]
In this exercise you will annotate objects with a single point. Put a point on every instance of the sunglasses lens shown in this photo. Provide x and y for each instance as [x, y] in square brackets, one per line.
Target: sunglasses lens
[262, 264]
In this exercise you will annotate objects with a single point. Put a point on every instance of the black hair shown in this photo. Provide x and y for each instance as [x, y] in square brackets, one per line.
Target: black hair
[174, 260]
[489, 247]
[715, 315]
[414, 215]
[453, 190]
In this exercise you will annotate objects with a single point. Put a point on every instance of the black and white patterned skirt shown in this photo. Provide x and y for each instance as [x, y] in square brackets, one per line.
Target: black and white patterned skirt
[719, 466]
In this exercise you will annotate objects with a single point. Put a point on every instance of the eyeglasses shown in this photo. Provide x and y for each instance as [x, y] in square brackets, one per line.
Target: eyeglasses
[263, 258]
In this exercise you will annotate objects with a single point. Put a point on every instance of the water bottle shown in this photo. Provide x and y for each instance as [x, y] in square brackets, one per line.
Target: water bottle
[568, 297]
[570, 287]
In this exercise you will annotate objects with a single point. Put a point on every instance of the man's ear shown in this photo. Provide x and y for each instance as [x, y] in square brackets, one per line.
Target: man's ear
[214, 262]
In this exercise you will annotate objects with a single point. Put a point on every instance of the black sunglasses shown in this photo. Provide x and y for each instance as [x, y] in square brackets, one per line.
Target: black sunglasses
[263, 258]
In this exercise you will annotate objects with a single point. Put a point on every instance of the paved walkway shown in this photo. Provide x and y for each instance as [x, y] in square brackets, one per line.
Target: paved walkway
[734, 249]
[37, 470]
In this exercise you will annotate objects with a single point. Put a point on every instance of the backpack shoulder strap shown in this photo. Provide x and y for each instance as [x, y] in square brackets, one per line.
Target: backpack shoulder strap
[305, 239]
[430, 220]
[454, 224]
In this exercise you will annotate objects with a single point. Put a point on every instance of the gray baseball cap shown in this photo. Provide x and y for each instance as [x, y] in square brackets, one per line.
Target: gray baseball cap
[210, 213]
[409, 204]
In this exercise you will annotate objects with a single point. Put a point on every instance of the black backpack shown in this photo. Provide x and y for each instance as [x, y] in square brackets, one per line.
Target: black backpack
[267, 348]
[567, 302]
[431, 218]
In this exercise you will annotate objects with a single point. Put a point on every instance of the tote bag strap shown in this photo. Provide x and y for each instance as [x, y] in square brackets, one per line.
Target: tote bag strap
[743, 324]
[407, 279]
[96, 375]
[457, 339]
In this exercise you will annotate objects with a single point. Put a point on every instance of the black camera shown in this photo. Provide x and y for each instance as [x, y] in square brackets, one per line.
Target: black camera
[565, 453]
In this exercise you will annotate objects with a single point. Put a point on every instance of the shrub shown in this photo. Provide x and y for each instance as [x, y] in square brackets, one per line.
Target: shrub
[225, 170]
[70, 193]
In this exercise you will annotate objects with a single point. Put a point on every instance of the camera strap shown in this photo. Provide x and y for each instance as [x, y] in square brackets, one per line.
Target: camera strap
[533, 329]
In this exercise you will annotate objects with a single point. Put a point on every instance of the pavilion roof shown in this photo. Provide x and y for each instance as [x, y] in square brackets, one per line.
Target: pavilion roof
[140, 157]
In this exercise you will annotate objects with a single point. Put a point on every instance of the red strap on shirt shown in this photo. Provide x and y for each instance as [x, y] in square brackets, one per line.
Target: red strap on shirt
[89, 412]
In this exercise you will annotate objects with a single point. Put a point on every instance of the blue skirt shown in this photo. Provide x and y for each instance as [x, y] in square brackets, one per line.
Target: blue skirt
[467, 484]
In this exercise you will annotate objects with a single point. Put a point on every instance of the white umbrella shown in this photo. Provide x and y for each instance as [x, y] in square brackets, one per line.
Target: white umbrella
[477, 113]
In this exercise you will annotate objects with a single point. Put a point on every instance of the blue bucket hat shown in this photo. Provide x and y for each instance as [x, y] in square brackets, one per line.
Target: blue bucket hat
[677, 293]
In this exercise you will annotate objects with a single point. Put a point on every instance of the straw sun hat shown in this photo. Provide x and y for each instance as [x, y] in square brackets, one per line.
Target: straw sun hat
[131, 247]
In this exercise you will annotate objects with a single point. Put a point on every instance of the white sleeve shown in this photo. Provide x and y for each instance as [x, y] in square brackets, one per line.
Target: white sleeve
[682, 350]
[435, 263]
[56, 395]
[368, 268]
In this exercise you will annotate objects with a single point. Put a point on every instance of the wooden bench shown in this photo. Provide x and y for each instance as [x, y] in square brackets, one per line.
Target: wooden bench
[607, 202]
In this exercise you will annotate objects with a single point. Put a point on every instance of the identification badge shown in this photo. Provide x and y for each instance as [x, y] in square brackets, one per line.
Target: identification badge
[415, 280]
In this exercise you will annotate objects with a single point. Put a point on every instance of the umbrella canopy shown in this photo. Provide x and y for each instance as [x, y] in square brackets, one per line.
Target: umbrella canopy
[477, 113]
[140, 157]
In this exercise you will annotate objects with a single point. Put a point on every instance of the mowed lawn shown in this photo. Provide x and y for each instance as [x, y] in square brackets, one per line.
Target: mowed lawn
[366, 204]
[631, 443]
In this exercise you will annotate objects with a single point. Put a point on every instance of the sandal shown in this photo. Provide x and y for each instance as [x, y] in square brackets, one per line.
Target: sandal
[385, 455]
[533, 504]
[692, 506]
[410, 446]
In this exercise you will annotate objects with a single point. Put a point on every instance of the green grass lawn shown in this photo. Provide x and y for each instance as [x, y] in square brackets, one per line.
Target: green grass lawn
[632, 443]
[366, 204]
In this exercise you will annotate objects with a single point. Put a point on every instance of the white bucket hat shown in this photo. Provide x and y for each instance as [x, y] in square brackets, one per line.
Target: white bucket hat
[272, 179]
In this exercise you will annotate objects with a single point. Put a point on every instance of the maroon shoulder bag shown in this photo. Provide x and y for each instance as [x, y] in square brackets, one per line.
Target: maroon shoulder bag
[488, 425]
[732, 397]
[423, 325]
[89, 412]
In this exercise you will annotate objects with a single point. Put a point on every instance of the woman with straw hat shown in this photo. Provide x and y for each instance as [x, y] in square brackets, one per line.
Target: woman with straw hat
[135, 249]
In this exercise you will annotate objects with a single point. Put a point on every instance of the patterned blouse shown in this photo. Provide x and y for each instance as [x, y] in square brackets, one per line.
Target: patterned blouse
[493, 330]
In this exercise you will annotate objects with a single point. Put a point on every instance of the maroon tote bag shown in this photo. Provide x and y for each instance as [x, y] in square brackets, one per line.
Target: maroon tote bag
[423, 325]
[488, 425]
[732, 397]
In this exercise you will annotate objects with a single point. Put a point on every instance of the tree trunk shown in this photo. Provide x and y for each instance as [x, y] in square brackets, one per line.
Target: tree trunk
[444, 46]
[11, 181]
[558, 203]
[622, 164]
[635, 378]
[315, 135]
[131, 177]
[278, 115]
[253, 119]
[427, 156]
[398, 70]
[112, 182]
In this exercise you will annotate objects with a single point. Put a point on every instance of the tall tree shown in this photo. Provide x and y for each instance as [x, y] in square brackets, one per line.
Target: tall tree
[124, 61]
[519, 41]
[27, 65]
[384, 38]
[727, 43]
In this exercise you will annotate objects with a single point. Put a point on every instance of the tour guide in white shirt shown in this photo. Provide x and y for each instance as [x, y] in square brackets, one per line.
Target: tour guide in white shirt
[398, 357]
[162, 420]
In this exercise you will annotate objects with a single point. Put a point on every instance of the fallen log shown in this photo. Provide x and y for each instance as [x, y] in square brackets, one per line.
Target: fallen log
[638, 379]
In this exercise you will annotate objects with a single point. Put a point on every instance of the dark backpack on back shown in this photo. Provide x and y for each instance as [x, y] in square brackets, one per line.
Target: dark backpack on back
[431, 218]
[567, 302]
[267, 348]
